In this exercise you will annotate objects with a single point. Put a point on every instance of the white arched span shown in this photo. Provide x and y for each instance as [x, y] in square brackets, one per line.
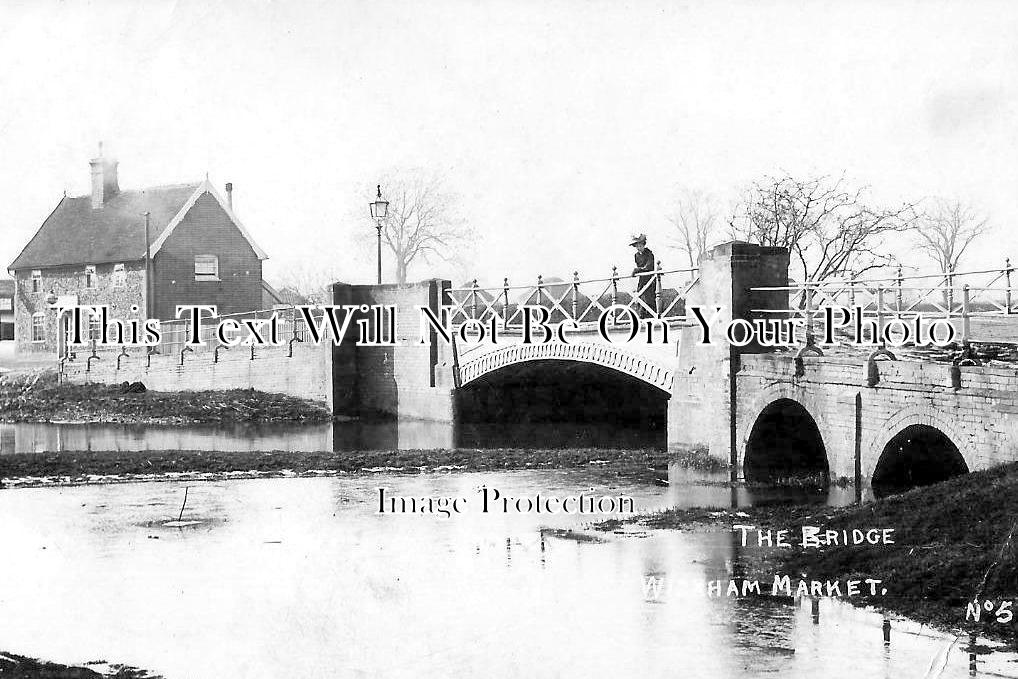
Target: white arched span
[605, 355]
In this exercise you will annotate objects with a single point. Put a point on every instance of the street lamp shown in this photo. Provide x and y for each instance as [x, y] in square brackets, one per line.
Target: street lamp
[379, 210]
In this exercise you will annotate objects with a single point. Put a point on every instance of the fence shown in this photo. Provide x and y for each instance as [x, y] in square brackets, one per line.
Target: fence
[175, 335]
[979, 304]
[657, 294]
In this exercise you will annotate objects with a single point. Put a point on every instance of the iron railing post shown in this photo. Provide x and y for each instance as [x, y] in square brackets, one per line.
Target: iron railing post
[949, 280]
[615, 295]
[1007, 293]
[900, 280]
[473, 302]
[576, 292]
[809, 313]
[505, 293]
[965, 320]
[657, 290]
[880, 314]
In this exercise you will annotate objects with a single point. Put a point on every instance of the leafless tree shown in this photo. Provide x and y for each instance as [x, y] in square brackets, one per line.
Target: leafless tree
[695, 218]
[948, 229]
[423, 220]
[828, 227]
[311, 283]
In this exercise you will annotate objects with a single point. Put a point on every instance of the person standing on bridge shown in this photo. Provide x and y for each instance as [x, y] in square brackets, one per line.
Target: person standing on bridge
[645, 284]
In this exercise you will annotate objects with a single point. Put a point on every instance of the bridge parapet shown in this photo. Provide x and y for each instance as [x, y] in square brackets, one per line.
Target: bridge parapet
[657, 294]
[977, 303]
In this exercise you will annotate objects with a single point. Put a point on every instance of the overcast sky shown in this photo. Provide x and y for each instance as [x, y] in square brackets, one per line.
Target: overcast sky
[563, 125]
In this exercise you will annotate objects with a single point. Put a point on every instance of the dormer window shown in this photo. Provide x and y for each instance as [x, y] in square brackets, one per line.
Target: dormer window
[90, 276]
[206, 268]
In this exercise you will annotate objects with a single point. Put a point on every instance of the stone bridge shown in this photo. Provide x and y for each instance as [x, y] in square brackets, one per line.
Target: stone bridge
[768, 413]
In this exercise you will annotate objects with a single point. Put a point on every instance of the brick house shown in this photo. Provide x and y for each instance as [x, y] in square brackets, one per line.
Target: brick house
[141, 252]
[6, 310]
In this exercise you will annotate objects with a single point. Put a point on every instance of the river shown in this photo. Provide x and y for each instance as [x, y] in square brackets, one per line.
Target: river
[303, 577]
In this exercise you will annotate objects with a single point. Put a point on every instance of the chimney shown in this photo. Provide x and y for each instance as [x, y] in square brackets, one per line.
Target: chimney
[104, 179]
[229, 194]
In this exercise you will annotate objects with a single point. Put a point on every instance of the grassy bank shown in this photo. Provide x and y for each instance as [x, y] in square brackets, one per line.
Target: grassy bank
[38, 398]
[19, 667]
[951, 545]
[82, 467]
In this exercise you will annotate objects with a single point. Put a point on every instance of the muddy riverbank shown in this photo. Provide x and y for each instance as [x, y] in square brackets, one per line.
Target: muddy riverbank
[75, 468]
[37, 397]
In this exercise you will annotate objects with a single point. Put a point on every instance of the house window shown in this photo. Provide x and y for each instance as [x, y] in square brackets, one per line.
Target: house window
[119, 276]
[38, 327]
[206, 268]
[6, 304]
[90, 276]
[94, 321]
[36, 281]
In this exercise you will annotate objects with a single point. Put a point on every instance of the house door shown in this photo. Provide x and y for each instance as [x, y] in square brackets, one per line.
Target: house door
[64, 335]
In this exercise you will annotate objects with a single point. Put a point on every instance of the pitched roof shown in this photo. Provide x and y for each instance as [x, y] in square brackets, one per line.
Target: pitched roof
[74, 233]
[284, 295]
[158, 239]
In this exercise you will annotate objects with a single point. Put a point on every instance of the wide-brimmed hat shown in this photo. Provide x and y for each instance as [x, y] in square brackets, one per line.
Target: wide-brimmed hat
[639, 239]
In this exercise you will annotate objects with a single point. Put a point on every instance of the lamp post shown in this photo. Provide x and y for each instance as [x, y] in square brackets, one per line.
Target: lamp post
[379, 210]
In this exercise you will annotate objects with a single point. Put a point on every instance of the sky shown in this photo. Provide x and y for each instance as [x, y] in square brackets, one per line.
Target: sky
[561, 126]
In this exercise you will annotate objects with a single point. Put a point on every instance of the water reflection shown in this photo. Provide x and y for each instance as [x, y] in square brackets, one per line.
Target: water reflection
[341, 436]
[695, 488]
[303, 578]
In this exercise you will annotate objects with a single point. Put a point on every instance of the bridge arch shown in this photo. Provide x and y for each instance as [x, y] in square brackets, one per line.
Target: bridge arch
[605, 355]
[555, 396]
[915, 447]
[784, 440]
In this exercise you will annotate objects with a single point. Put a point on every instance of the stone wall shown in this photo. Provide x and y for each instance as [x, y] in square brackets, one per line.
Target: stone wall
[409, 380]
[126, 301]
[307, 373]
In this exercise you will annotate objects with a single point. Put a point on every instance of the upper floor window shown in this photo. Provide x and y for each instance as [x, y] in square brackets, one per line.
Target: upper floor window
[119, 276]
[38, 327]
[36, 280]
[90, 276]
[6, 304]
[206, 268]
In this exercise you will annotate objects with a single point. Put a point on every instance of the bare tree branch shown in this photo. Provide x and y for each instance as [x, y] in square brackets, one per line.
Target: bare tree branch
[422, 220]
[828, 227]
[948, 230]
[695, 218]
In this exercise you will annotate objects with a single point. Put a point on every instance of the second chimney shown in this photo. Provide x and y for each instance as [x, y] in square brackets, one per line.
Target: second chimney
[104, 179]
[229, 194]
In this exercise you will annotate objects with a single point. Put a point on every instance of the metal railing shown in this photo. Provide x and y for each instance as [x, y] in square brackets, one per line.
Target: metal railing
[961, 297]
[659, 294]
[175, 334]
